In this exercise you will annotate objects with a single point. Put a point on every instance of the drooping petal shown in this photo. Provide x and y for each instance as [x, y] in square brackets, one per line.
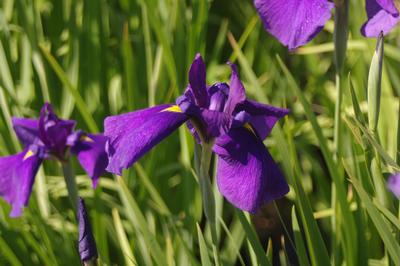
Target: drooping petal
[294, 22]
[394, 184]
[91, 153]
[197, 81]
[27, 130]
[54, 131]
[17, 174]
[237, 93]
[379, 20]
[247, 175]
[262, 117]
[87, 245]
[133, 134]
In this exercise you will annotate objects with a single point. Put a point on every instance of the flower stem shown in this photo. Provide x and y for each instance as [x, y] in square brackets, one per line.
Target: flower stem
[70, 181]
[208, 195]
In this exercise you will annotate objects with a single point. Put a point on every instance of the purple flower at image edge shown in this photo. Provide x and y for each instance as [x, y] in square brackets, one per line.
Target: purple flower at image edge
[86, 243]
[247, 175]
[394, 184]
[294, 22]
[383, 16]
[48, 137]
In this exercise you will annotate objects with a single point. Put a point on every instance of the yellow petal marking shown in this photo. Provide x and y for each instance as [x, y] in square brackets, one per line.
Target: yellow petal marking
[28, 154]
[173, 108]
[249, 128]
[86, 138]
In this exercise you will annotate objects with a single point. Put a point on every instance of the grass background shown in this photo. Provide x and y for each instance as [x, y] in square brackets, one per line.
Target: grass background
[91, 59]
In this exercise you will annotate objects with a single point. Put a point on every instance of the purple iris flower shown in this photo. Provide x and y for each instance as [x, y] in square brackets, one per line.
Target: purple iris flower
[294, 22]
[394, 184]
[383, 16]
[48, 137]
[247, 175]
[86, 243]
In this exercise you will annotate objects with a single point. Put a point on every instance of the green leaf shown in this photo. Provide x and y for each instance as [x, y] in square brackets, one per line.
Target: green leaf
[205, 259]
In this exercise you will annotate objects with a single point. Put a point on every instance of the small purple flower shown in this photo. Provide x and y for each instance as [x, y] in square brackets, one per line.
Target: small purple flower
[47, 138]
[247, 175]
[294, 22]
[394, 184]
[383, 16]
[87, 245]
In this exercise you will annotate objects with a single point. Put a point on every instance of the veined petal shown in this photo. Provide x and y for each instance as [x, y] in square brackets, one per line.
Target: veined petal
[133, 134]
[91, 153]
[379, 20]
[27, 130]
[197, 81]
[237, 93]
[17, 174]
[216, 123]
[263, 117]
[294, 22]
[247, 175]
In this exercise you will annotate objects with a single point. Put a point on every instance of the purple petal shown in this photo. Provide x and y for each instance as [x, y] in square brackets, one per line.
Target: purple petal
[218, 95]
[394, 184]
[27, 130]
[379, 20]
[87, 245]
[247, 175]
[294, 22]
[216, 123]
[91, 153]
[16, 180]
[197, 81]
[388, 5]
[53, 131]
[237, 94]
[263, 117]
[133, 134]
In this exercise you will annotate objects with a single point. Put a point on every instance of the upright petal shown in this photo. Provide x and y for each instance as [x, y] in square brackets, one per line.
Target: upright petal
[91, 153]
[197, 81]
[379, 20]
[17, 174]
[27, 130]
[262, 117]
[394, 184]
[54, 131]
[87, 245]
[237, 93]
[247, 175]
[294, 22]
[133, 134]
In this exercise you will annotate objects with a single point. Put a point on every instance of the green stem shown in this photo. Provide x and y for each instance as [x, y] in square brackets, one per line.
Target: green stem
[90, 263]
[208, 195]
[70, 181]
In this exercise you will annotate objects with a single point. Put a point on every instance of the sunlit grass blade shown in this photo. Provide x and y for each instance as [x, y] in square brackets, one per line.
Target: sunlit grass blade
[122, 239]
[205, 259]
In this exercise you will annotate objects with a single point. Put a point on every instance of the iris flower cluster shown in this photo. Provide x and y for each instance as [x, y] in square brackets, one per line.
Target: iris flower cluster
[47, 138]
[219, 114]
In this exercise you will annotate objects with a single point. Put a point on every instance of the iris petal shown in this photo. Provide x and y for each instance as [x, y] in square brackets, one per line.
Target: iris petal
[197, 81]
[17, 174]
[237, 93]
[262, 117]
[87, 245]
[379, 20]
[91, 153]
[27, 130]
[294, 22]
[247, 175]
[133, 134]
